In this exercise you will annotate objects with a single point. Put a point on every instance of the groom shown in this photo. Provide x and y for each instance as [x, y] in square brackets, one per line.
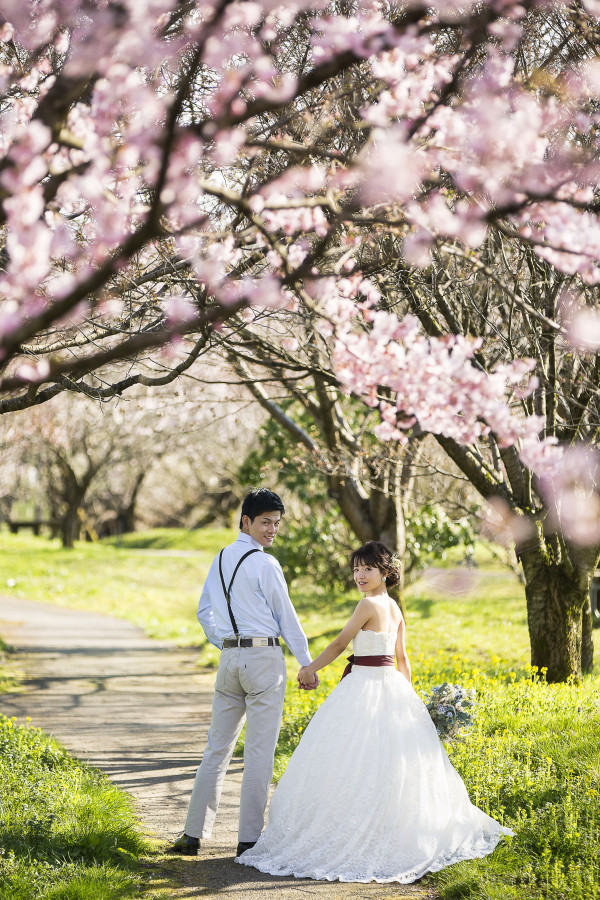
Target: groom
[244, 609]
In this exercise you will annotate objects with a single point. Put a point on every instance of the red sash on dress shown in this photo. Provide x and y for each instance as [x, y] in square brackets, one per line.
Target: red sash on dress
[367, 661]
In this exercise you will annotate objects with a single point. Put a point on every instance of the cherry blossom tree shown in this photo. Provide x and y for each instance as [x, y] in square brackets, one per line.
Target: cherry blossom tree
[99, 468]
[88, 462]
[172, 169]
[68, 447]
[552, 519]
[283, 355]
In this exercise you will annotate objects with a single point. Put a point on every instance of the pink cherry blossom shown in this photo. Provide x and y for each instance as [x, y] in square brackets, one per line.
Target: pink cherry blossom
[442, 169]
[34, 373]
[421, 371]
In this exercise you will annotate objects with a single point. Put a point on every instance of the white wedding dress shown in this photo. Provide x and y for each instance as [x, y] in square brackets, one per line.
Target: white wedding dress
[369, 793]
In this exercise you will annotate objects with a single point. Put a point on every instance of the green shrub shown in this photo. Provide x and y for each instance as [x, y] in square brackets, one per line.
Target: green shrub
[430, 533]
[532, 761]
[65, 831]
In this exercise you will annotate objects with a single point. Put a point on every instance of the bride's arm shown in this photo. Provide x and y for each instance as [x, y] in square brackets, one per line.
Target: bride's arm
[360, 617]
[401, 657]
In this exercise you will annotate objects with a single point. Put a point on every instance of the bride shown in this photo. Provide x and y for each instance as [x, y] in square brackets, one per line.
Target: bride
[369, 793]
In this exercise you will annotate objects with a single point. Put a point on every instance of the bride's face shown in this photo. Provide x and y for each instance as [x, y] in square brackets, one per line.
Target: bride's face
[368, 579]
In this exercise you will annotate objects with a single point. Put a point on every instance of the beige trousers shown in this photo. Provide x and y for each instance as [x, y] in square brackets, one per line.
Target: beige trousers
[250, 685]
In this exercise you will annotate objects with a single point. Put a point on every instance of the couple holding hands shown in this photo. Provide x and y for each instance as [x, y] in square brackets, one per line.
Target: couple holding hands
[369, 793]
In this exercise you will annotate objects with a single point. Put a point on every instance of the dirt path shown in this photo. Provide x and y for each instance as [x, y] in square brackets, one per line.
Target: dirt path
[139, 709]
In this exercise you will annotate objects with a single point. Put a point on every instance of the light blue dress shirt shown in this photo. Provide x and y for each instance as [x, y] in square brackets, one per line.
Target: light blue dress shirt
[260, 601]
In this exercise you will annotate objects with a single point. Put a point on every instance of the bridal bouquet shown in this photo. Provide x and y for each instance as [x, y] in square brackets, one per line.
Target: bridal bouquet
[450, 707]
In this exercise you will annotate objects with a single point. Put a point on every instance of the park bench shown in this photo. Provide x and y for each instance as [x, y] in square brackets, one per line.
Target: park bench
[36, 525]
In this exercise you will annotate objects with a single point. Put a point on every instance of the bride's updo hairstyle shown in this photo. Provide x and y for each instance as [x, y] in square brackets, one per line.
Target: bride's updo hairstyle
[377, 555]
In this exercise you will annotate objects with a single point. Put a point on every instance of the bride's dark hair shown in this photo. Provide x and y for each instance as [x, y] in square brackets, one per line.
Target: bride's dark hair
[376, 554]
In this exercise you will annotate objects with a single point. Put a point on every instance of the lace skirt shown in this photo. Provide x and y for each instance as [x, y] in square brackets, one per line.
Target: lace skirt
[370, 794]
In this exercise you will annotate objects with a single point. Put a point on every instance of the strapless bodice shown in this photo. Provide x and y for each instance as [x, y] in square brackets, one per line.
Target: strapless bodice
[374, 643]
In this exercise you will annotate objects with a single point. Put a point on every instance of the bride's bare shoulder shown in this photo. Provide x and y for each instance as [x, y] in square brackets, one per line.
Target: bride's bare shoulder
[366, 604]
[396, 612]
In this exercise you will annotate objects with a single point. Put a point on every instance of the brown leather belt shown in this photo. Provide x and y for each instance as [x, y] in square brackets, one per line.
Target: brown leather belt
[250, 642]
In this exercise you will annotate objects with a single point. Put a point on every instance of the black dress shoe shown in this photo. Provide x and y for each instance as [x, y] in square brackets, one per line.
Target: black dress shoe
[186, 845]
[243, 846]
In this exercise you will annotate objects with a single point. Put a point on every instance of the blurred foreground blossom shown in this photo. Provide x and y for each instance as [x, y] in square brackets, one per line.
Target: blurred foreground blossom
[34, 373]
[573, 496]
[458, 581]
[500, 524]
[584, 330]
[581, 322]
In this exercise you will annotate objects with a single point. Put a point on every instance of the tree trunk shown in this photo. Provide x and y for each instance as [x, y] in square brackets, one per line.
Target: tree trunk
[557, 593]
[70, 526]
[587, 638]
[555, 603]
[371, 518]
[127, 515]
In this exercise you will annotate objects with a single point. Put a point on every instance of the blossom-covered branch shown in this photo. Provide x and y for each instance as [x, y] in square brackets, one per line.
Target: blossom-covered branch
[139, 133]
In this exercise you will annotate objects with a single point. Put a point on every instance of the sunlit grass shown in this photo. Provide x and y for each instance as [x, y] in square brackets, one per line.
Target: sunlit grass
[208, 540]
[531, 759]
[66, 833]
[156, 591]
[142, 578]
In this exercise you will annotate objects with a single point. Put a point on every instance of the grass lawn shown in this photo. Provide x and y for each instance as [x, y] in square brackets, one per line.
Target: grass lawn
[153, 587]
[8, 672]
[153, 579]
[532, 758]
[532, 761]
[66, 833]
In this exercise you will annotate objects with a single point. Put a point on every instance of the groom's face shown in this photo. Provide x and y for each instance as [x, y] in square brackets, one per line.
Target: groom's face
[263, 528]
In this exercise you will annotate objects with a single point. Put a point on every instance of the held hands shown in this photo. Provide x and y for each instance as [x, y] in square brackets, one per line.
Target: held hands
[307, 680]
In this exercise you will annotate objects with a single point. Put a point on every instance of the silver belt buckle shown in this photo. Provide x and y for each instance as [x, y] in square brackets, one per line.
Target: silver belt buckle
[262, 642]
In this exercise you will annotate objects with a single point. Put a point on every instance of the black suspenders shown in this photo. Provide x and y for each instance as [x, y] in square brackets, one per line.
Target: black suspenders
[227, 590]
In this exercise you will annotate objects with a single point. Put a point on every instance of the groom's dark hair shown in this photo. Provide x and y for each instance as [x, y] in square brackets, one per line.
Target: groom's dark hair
[261, 501]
